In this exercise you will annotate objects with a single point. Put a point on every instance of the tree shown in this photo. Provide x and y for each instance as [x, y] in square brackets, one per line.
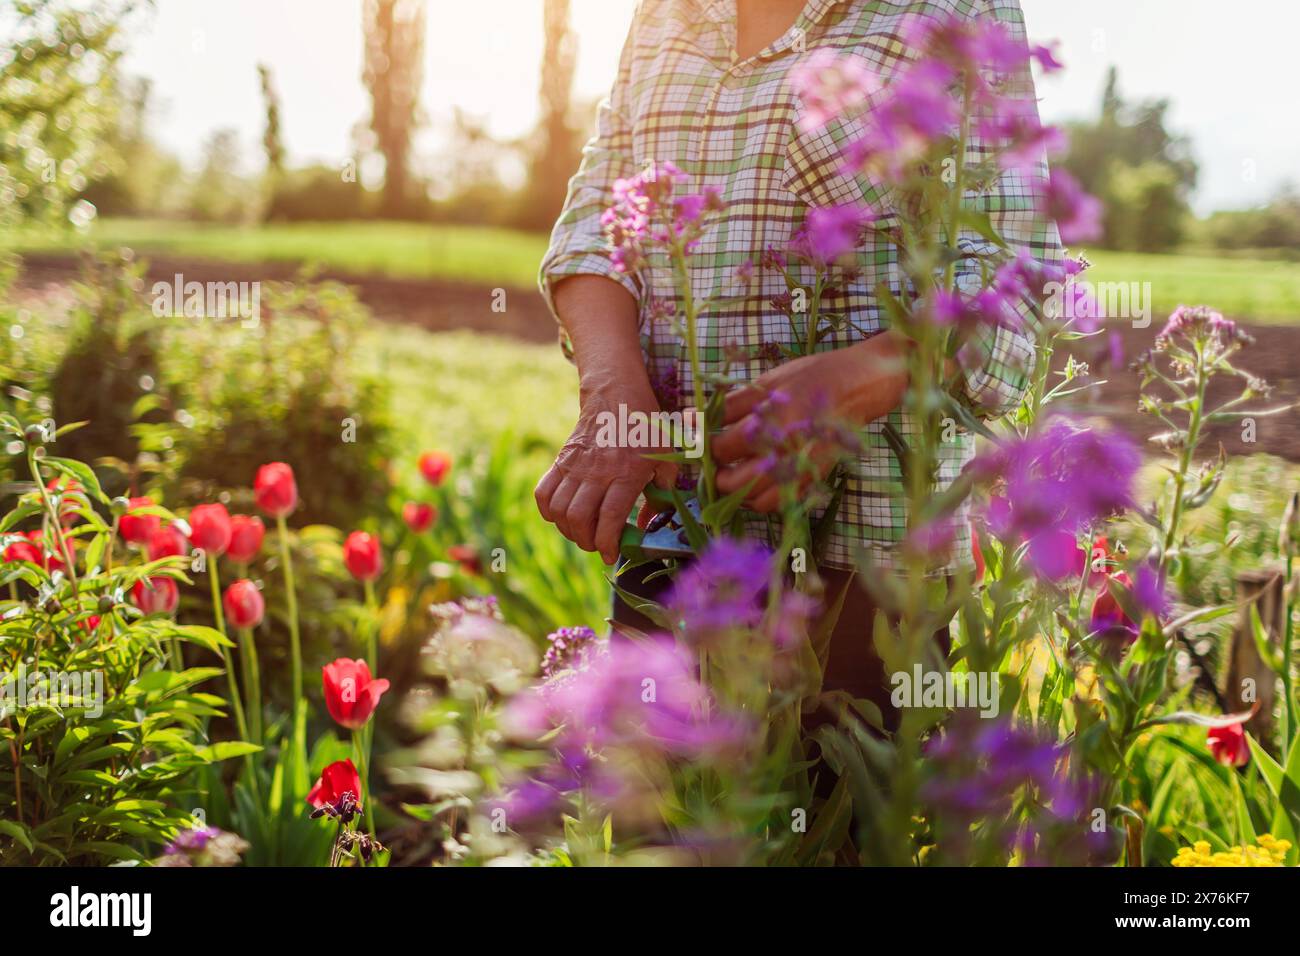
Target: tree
[555, 155]
[394, 37]
[1144, 174]
[58, 86]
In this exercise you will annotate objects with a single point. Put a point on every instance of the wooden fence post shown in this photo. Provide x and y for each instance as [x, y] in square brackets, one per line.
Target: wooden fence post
[1249, 680]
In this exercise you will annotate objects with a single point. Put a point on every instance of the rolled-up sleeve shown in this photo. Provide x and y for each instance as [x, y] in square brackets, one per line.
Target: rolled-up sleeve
[997, 361]
[578, 243]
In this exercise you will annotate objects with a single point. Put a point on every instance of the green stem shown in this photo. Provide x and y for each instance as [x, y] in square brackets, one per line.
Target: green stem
[359, 749]
[235, 701]
[252, 682]
[295, 643]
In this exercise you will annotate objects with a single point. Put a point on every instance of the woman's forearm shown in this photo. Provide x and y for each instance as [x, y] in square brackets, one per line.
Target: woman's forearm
[600, 317]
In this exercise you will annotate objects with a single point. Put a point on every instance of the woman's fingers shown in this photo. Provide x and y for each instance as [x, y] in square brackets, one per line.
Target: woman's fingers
[579, 524]
[736, 477]
[612, 517]
[768, 501]
[545, 491]
[740, 403]
[733, 444]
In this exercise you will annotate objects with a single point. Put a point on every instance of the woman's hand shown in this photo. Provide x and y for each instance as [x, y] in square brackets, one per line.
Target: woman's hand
[589, 491]
[857, 385]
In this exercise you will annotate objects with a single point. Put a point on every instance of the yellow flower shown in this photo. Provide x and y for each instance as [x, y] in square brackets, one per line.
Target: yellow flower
[1270, 851]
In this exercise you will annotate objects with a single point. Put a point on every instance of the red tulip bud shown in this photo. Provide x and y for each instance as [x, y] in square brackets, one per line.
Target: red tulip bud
[350, 694]
[275, 490]
[419, 517]
[244, 604]
[156, 595]
[210, 529]
[246, 534]
[362, 556]
[434, 465]
[137, 528]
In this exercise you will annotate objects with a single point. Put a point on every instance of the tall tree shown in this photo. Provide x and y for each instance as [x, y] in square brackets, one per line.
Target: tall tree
[271, 141]
[555, 156]
[394, 32]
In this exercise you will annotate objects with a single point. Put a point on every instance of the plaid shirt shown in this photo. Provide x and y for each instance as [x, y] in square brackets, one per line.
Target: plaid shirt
[683, 96]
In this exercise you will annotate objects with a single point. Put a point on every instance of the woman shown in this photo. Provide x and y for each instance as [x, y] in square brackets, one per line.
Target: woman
[705, 85]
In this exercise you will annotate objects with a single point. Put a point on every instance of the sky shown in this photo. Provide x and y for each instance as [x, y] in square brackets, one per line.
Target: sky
[1224, 67]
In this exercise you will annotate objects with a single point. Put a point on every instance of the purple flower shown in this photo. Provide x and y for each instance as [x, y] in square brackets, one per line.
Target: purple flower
[567, 648]
[723, 589]
[831, 87]
[1058, 480]
[1077, 214]
[830, 234]
[639, 695]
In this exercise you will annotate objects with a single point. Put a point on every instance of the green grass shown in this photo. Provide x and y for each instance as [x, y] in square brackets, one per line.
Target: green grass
[1262, 290]
[459, 391]
[1259, 289]
[404, 250]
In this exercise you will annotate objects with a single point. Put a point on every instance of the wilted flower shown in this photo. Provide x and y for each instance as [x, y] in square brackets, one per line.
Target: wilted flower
[337, 782]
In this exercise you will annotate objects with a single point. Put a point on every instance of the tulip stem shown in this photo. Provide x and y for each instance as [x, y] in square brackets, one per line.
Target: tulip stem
[359, 748]
[252, 681]
[235, 701]
[372, 650]
[299, 743]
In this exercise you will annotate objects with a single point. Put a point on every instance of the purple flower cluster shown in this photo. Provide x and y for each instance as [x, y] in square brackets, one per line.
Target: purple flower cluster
[1203, 324]
[1057, 481]
[567, 648]
[1077, 214]
[722, 589]
[973, 774]
[646, 210]
[634, 705]
[829, 235]
[772, 430]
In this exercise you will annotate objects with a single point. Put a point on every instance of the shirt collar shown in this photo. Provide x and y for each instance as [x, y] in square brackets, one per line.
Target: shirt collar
[724, 11]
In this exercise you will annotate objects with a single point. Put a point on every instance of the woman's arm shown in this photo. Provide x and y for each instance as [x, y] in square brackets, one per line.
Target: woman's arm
[590, 490]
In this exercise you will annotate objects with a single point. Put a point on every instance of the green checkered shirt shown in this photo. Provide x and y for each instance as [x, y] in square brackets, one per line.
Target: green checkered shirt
[683, 96]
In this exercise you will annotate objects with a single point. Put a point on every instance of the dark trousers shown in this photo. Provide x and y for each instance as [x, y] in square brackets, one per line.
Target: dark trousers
[853, 665]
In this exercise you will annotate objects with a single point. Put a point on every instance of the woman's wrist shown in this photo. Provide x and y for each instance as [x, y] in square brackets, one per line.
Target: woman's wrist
[874, 377]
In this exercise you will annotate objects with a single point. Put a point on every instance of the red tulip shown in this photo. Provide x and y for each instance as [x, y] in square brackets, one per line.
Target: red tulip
[137, 528]
[91, 624]
[22, 549]
[466, 555]
[362, 556]
[50, 559]
[246, 533]
[1229, 746]
[434, 465]
[1106, 610]
[275, 490]
[156, 595]
[350, 695]
[166, 543]
[244, 604]
[335, 780]
[210, 529]
[419, 517]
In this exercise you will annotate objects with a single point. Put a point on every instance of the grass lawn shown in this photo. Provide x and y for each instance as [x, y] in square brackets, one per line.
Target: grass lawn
[1257, 289]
